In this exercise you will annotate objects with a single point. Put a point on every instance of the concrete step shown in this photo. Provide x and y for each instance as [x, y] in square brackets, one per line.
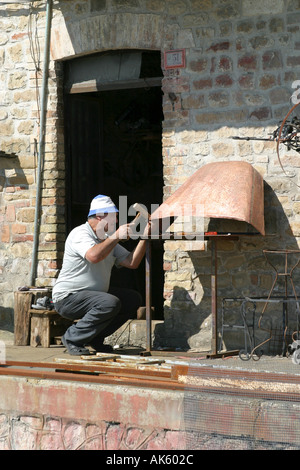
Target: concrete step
[134, 333]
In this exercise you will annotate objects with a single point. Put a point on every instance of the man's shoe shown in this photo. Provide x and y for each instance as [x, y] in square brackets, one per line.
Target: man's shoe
[104, 348]
[74, 349]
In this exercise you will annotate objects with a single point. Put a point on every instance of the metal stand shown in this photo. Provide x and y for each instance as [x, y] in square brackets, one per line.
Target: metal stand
[287, 275]
[214, 353]
[148, 297]
[253, 353]
[214, 300]
[247, 326]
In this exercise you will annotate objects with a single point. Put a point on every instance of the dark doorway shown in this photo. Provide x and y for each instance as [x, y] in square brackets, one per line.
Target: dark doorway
[113, 147]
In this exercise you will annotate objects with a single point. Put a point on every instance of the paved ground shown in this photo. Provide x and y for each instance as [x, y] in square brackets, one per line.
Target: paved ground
[268, 364]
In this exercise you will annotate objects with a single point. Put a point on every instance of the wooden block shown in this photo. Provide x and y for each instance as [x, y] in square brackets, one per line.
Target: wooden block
[22, 304]
[41, 321]
[40, 331]
[23, 301]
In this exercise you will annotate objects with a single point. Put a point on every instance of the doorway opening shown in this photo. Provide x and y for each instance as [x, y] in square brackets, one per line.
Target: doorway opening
[113, 131]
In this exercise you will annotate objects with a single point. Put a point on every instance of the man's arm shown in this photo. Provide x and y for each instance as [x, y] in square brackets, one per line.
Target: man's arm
[98, 252]
[135, 257]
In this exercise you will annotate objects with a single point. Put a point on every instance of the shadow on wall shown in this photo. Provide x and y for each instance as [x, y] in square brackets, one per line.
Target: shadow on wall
[15, 228]
[181, 323]
[7, 319]
[243, 270]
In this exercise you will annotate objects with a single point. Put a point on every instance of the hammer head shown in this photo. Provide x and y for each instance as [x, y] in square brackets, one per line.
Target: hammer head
[142, 210]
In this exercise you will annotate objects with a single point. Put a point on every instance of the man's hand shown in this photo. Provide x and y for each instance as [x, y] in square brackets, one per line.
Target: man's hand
[101, 250]
[124, 232]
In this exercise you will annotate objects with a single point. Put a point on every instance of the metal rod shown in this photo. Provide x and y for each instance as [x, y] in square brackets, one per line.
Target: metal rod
[214, 297]
[41, 142]
[105, 367]
[152, 382]
[252, 138]
[276, 393]
[148, 296]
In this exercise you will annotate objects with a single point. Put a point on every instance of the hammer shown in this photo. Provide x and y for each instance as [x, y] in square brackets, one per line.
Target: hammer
[141, 211]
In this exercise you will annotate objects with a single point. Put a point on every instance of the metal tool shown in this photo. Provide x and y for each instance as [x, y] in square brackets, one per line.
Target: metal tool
[141, 210]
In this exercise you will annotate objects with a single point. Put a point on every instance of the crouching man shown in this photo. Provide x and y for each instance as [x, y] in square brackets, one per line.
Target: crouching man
[82, 291]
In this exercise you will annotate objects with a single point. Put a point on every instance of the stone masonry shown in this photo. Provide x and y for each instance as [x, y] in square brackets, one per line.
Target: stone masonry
[240, 77]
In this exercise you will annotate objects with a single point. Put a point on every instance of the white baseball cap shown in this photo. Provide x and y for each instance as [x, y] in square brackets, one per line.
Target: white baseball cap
[102, 205]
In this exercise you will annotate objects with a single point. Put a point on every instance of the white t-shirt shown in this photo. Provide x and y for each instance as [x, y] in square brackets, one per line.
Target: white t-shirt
[77, 272]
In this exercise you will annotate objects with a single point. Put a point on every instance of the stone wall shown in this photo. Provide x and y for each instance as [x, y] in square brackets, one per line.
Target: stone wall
[242, 60]
[21, 58]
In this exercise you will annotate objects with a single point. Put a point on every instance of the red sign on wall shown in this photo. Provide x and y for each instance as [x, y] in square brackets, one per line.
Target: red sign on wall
[175, 59]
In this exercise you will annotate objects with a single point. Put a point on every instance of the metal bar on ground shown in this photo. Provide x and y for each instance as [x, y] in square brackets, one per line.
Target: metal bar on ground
[254, 384]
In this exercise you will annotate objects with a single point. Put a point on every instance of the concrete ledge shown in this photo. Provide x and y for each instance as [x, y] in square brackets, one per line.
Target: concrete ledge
[51, 414]
[93, 403]
[66, 415]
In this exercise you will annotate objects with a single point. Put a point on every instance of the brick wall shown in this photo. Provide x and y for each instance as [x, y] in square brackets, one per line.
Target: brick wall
[242, 58]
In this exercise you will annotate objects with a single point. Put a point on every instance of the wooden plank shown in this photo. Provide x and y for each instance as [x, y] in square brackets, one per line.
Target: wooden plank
[92, 85]
[117, 366]
[141, 362]
[134, 359]
[42, 312]
[100, 357]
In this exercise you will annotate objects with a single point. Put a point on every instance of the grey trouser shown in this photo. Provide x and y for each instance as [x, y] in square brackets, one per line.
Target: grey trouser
[99, 313]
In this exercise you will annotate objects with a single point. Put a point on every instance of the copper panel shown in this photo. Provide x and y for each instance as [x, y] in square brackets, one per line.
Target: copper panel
[228, 190]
